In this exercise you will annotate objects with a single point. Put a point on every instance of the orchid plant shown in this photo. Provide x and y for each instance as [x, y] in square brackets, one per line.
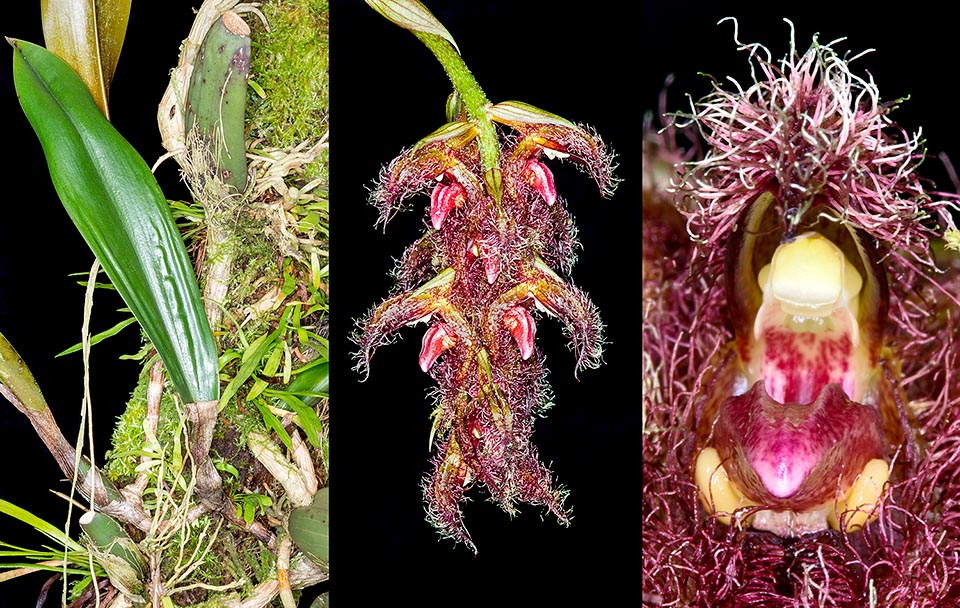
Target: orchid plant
[214, 489]
[800, 342]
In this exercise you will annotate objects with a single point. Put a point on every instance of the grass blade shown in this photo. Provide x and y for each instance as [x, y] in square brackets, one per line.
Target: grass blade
[100, 337]
[41, 525]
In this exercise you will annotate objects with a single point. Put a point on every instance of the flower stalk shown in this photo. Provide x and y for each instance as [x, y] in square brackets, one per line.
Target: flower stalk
[474, 101]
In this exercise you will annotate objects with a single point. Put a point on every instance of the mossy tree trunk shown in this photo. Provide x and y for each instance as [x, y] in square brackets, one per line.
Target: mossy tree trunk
[219, 505]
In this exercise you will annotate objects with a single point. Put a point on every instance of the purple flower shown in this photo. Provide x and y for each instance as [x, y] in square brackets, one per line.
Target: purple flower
[799, 342]
[495, 257]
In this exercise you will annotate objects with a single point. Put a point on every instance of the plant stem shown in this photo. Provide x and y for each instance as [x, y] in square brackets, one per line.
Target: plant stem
[475, 101]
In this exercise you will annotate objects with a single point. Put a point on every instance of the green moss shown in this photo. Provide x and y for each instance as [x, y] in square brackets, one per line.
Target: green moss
[219, 565]
[128, 438]
[245, 418]
[233, 558]
[290, 65]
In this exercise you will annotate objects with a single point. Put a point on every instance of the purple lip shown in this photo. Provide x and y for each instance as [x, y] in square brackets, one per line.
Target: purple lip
[792, 455]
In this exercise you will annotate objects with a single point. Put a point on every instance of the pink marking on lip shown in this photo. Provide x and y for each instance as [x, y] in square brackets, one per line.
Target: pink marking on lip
[793, 452]
[795, 366]
[783, 463]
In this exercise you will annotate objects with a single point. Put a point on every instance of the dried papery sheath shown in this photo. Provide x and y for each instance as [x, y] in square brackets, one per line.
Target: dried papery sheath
[800, 342]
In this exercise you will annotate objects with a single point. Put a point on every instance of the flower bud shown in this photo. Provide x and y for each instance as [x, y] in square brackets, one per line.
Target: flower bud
[491, 267]
[443, 200]
[491, 259]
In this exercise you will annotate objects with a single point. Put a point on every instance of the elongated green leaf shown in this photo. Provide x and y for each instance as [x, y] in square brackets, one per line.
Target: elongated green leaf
[308, 419]
[312, 380]
[100, 337]
[271, 422]
[40, 525]
[88, 35]
[249, 364]
[116, 204]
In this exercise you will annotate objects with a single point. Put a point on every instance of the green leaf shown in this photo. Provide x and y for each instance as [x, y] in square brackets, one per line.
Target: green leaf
[271, 422]
[88, 35]
[306, 416]
[310, 527]
[100, 337]
[116, 204]
[17, 378]
[309, 421]
[225, 467]
[414, 16]
[314, 378]
[53, 532]
[250, 362]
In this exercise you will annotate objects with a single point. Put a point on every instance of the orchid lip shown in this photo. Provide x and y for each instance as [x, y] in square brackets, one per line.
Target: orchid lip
[793, 454]
[519, 322]
[540, 177]
[799, 468]
[437, 340]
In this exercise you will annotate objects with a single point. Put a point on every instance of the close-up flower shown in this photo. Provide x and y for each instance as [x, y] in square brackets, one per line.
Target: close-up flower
[800, 340]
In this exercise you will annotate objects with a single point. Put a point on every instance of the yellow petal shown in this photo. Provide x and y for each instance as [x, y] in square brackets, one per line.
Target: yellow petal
[861, 499]
[810, 276]
[717, 492]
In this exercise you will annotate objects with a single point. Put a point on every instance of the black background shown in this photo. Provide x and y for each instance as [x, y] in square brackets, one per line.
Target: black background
[387, 91]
